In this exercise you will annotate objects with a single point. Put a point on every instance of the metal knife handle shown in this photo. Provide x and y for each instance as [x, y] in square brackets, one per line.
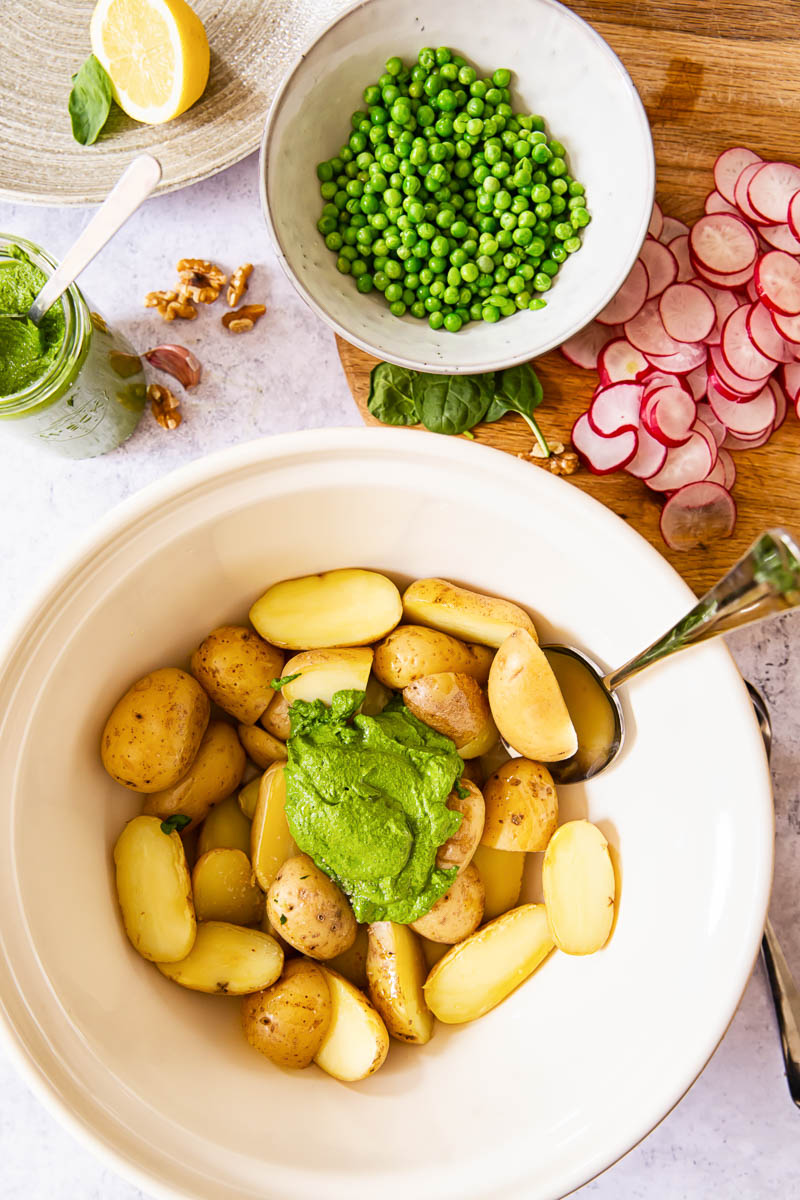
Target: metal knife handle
[786, 995]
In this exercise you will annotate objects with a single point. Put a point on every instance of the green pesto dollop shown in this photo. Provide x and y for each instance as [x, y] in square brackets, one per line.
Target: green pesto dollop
[366, 799]
[26, 350]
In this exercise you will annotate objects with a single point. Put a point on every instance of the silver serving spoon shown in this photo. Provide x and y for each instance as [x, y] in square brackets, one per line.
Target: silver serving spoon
[764, 582]
[133, 187]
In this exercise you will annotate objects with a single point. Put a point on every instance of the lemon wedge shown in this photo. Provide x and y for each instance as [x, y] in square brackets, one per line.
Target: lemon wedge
[155, 53]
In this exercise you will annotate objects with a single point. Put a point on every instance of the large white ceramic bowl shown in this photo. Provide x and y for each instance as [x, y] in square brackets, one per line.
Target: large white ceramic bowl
[562, 69]
[573, 1068]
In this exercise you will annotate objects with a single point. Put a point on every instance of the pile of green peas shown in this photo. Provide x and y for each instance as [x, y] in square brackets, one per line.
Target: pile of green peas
[444, 199]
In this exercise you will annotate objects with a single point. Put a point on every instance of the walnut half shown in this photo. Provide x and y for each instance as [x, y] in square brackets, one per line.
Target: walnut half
[171, 305]
[165, 406]
[201, 280]
[238, 284]
[242, 320]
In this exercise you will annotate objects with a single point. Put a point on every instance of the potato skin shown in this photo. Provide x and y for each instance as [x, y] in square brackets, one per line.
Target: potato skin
[458, 913]
[276, 719]
[154, 731]
[412, 651]
[521, 806]
[261, 747]
[236, 667]
[451, 703]
[215, 773]
[396, 972]
[154, 891]
[317, 917]
[458, 850]
[227, 960]
[463, 613]
[288, 1021]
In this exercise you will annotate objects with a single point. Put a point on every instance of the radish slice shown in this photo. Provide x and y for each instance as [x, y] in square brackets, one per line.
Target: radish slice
[771, 189]
[668, 415]
[658, 379]
[671, 229]
[705, 432]
[791, 381]
[602, 455]
[656, 220]
[706, 414]
[620, 362]
[748, 417]
[697, 381]
[689, 357]
[764, 336]
[777, 277]
[679, 247]
[697, 514]
[684, 464]
[715, 203]
[615, 409]
[729, 384]
[739, 352]
[750, 290]
[787, 327]
[780, 237]
[724, 302]
[740, 279]
[629, 299]
[583, 348]
[729, 167]
[729, 466]
[687, 312]
[732, 442]
[649, 457]
[661, 266]
[647, 333]
[793, 215]
[781, 403]
[740, 197]
[723, 244]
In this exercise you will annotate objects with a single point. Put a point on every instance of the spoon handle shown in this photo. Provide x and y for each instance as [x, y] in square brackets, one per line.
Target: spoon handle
[787, 1007]
[765, 581]
[135, 184]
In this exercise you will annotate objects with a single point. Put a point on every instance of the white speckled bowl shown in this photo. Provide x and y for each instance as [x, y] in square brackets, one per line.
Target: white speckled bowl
[562, 69]
[580, 1062]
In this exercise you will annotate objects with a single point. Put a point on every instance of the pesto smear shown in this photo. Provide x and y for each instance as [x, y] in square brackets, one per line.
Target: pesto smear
[26, 350]
[366, 799]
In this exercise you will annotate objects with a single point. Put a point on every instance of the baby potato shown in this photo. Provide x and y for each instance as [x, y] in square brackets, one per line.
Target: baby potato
[224, 888]
[455, 705]
[357, 1040]
[247, 801]
[288, 1021]
[526, 701]
[216, 772]
[227, 960]
[236, 667]
[412, 651]
[276, 719]
[463, 613]
[320, 673]
[433, 951]
[338, 608]
[261, 747]
[458, 850]
[311, 912]
[271, 842]
[225, 828]
[396, 972]
[521, 806]
[501, 874]
[376, 697]
[154, 731]
[154, 890]
[457, 913]
[352, 963]
[474, 977]
[579, 888]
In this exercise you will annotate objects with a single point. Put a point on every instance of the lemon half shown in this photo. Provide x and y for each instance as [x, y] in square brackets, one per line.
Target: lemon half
[156, 55]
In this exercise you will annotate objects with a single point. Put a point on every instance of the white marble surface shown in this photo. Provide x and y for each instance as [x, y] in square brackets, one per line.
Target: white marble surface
[736, 1133]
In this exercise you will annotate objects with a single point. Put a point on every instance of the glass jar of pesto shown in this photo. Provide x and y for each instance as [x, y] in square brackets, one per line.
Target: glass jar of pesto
[72, 384]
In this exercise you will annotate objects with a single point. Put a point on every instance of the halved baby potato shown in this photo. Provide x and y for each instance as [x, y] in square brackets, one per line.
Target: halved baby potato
[521, 806]
[215, 773]
[271, 842]
[357, 1040]
[457, 913]
[411, 651]
[226, 827]
[458, 850]
[321, 673]
[227, 960]
[312, 913]
[225, 889]
[276, 719]
[288, 1021]
[456, 705]
[396, 972]
[248, 799]
[352, 963]
[526, 701]
[235, 667]
[348, 607]
[475, 976]
[579, 888]
[464, 613]
[501, 874]
[261, 747]
[154, 890]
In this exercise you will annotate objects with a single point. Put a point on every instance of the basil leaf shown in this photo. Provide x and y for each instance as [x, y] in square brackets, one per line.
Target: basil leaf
[391, 397]
[277, 684]
[518, 391]
[175, 823]
[452, 403]
[89, 101]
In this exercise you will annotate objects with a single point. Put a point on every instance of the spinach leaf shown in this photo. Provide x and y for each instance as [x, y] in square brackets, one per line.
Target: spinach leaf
[452, 403]
[175, 823]
[519, 391]
[89, 101]
[277, 684]
[391, 397]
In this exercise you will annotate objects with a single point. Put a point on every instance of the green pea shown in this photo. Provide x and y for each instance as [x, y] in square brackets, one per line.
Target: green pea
[559, 205]
[416, 212]
[580, 217]
[334, 241]
[452, 322]
[437, 265]
[435, 319]
[572, 244]
[427, 57]
[558, 253]
[393, 292]
[364, 284]
[417, 309]
[490, 313]
[401, 112]
[537, 302]
[511, 260]
[502, 200]
[433, 304]
[549, 267]
[453, 277]
[485, 264]
[326, 225]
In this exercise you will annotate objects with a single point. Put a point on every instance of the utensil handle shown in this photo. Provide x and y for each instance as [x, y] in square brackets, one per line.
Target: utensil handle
[135, 184]
[787, 1007]
[764, 582]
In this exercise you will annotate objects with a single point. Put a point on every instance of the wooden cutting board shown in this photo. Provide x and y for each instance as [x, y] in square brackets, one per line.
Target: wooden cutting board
[710, 75]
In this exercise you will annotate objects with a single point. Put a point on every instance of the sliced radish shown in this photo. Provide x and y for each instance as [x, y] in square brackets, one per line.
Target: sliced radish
[729, 467]
[689, 357]
[733, 442]
[781, 403]
[733, 385]
[750, 290]
[629, 299]
[724, 302]
[777, 277]
[670, 229]
[649, 457]
[679, 247]
[740, 197]
[658, 379]
[615, 409]
[791, 381]
[739, 280]
[661, 266]
[656, 220]
[706, 414]
[771, 189]
[620, 362]
[687, 313]
[647, 333]
[764, 336]
[723, 244]
[780, 237]
[668, 415]
[793, 215]
[739, 351]
[684, 464]
[706, 432]
[697, 381]
[602, 455]
[787, 327]
[715, 202]
[748, 417]
[729, 167]
[697, 514]
[583, 348]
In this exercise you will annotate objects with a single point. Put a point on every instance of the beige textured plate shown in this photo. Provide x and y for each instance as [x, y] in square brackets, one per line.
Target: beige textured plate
[253, 42]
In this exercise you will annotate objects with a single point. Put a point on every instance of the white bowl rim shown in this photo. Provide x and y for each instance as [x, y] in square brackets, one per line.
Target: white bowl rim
[182, 481]
[491, 364]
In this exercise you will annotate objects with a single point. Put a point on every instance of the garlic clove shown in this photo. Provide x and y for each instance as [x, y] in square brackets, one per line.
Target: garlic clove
[176, 361]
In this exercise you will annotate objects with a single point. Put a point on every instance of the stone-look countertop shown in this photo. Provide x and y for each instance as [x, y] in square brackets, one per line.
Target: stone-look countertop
[736, 1133]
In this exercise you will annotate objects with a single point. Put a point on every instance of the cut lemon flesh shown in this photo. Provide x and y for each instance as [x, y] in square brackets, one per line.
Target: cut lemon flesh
[156, 55]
